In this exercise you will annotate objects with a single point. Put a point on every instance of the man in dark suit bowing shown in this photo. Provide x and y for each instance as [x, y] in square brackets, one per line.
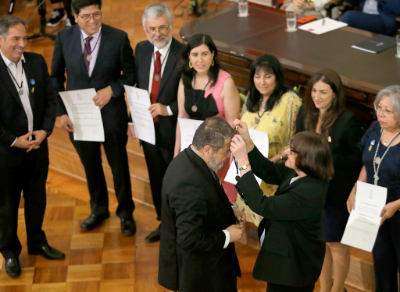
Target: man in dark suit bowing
[94, 55]
[27, 116]
[198, 222]
[157, 71]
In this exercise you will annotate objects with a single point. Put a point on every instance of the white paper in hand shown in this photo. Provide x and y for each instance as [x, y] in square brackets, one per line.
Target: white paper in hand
[363, 224]
[84, 114]
[260, 139]
[139, 103]
[188, 127]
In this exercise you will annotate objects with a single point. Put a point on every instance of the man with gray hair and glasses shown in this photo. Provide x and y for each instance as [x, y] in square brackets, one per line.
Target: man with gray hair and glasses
[27, 117]
[157, 71]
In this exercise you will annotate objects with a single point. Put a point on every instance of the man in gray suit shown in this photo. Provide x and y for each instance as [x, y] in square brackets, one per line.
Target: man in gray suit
[94, 55]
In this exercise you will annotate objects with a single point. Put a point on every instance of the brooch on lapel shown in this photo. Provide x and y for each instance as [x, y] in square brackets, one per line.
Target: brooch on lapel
[371, 144]
[33, 82]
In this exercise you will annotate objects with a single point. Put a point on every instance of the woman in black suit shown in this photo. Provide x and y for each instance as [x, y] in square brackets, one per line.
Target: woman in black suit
[293, 247]
[323, 111]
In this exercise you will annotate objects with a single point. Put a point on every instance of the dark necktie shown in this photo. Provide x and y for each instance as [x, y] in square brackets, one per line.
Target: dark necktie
[156, 81]
[87, 51]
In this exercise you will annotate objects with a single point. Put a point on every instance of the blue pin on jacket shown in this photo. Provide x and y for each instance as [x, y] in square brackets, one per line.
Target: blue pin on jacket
[371, 144]
[33, 82]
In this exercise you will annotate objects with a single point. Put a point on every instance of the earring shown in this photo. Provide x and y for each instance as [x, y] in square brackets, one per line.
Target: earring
[212, 62]
[190, 65]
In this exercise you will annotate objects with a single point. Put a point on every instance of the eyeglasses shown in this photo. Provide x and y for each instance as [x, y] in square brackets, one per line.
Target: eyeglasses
[384, 111]
[87, 17]
[293, 152]
[160, 29]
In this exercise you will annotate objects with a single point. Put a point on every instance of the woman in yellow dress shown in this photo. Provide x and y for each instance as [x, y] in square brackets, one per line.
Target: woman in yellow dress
[272, 108]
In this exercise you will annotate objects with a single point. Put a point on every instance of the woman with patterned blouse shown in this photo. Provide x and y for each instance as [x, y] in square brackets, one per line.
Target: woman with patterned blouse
[272, 108]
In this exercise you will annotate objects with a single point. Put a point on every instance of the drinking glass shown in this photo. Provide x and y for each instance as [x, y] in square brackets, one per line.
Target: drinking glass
[243, 8]
[291, 21]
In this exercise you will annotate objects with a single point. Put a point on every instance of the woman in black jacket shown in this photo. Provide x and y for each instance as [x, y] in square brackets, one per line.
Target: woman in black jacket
[323, 111]
[293, 247]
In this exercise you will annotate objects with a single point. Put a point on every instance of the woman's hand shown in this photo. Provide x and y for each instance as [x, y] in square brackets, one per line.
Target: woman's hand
[239, 150]
[389, 210]
[351, 201]
[243, 131]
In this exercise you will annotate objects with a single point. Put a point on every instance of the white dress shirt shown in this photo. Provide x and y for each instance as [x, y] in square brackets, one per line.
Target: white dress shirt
[164, 56]
[20, 76]
[96, 39]
[371, 7]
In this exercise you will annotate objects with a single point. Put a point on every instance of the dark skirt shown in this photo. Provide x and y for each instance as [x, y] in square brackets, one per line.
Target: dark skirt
[334, 220]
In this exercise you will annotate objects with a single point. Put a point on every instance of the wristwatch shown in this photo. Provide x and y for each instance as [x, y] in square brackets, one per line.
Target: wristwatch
[244, 166]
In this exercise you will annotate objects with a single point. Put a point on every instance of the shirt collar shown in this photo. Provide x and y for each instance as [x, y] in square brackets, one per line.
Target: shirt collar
[9, 62]
[164, 50]
[95, 36]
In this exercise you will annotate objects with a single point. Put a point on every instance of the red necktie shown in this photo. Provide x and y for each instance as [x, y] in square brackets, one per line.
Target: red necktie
[156, 81]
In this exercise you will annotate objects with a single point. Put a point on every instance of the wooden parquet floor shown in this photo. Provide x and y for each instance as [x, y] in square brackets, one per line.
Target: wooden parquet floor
[103, 259]
[100, 260]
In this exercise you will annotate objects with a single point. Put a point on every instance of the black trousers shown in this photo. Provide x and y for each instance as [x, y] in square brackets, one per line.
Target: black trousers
[282, 288]
[90, 155]
[157, 164]
[30, 178]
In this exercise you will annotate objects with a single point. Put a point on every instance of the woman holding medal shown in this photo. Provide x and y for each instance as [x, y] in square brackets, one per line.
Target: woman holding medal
[381, 166]
[292, 245]
[272, 108]
[205, 90]
[323, 111]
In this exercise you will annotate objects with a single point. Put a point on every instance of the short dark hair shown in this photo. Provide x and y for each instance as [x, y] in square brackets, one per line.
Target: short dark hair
[213, 132]
[314, 156]
[77, 5]
[268, 64]
[331, 78]
[8, 21]
[188, 73]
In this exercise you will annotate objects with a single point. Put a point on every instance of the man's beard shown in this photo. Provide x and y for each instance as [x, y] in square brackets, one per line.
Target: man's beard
[160, 45]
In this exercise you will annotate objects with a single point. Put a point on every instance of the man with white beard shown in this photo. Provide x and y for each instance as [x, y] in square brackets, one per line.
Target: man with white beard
[157, 71]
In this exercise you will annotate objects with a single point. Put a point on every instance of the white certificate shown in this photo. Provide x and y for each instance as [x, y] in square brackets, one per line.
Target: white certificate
[188, 127]
[364, 221]
[84, 114]
[139, 103]
[322, 26]
[260, 139]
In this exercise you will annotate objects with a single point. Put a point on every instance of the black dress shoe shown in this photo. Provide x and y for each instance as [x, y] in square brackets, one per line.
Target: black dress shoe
[154, 236]
[128, 226]
[13, 268]
[93, 221]
[47, 252]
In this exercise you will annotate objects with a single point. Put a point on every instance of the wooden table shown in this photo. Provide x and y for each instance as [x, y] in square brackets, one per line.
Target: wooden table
[241, 40]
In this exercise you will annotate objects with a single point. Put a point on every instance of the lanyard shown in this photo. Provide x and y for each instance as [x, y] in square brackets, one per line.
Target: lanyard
[378, 160]
[20, 91]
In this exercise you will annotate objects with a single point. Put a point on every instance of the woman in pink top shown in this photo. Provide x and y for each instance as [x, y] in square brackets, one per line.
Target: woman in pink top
[205, 90]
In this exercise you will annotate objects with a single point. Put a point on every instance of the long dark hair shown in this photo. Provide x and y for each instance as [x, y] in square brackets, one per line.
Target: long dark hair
[311, 113]
[188, 73]
[268, 64]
